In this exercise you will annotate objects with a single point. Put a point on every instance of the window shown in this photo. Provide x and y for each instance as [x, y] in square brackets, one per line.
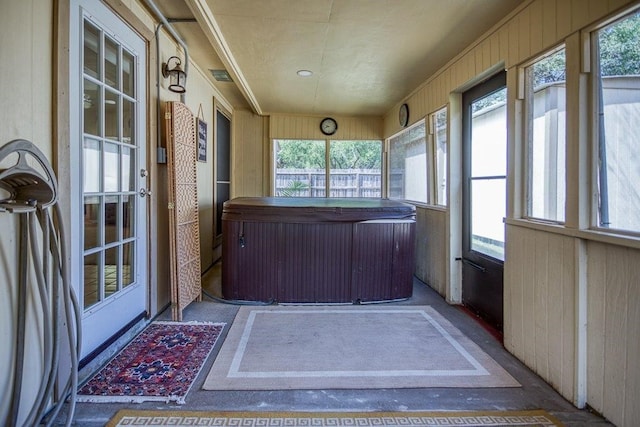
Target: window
[545, 121]
[407, 178]
[438, 123]
[354, 168]
[617, 93]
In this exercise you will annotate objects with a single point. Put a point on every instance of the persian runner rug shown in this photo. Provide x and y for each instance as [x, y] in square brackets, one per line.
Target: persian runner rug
[349, 347]
[160, 364]
[322, 419]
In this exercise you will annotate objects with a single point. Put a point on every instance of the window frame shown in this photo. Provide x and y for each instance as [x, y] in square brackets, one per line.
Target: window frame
[434, 199]
[422, 122]
[592, 66]
[527, 137]
[327, 166]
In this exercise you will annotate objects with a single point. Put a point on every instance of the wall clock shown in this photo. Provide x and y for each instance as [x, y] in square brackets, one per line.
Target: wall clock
[328, 126]
[403, 115]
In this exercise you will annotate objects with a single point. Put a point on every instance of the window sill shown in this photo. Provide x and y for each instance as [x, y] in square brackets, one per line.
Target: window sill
[585, 234]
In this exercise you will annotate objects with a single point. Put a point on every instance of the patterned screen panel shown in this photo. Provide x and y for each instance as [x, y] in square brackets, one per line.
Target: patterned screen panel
[184, 230]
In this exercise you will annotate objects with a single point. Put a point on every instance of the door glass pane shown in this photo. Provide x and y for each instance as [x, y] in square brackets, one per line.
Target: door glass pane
[91, 102]
[488, 135]
[111, 69]
[111, 161]
[128, 68]
[91, 50]
[91, 279]
[128, 216]
[110, 164]
[488, 204]
[128, 122]
[111, 219]
[128, 169]
[92, 222]
[488, 173]
[92, 166]
[111, 109]
[127, 264]
[111, 262]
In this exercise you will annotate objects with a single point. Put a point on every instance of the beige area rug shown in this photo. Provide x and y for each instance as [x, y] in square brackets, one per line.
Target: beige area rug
[349, 347]
[325, 419]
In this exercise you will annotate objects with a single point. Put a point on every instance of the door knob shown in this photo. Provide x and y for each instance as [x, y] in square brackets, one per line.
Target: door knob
[144, 192]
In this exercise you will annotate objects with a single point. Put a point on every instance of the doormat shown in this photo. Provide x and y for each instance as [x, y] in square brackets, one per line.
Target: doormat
[160, 364]
[349, 347]
[322, 419]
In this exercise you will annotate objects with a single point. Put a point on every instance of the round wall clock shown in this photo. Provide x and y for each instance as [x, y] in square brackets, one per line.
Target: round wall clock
[328, 126]
[403, 115]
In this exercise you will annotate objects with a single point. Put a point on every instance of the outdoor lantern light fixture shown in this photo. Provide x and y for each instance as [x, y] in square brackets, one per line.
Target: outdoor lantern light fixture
[177, 77]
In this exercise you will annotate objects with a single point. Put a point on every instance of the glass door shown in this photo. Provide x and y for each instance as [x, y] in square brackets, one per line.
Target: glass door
[484, 202]
[110, 260]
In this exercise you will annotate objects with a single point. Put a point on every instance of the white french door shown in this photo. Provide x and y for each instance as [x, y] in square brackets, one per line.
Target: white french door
[108, 145]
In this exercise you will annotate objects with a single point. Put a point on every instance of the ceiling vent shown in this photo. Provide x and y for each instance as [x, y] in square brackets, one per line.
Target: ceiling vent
[221, 75]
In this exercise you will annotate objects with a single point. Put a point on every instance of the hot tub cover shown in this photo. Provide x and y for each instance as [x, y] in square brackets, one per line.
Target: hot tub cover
[308, 209]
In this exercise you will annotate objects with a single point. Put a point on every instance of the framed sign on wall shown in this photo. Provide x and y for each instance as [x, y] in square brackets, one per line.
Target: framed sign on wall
[201, 127]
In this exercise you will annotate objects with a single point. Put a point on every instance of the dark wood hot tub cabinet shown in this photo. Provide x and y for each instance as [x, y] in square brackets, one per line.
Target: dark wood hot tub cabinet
[312, 250]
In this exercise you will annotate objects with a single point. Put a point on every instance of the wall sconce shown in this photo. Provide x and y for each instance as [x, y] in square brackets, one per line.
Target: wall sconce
[177, 77]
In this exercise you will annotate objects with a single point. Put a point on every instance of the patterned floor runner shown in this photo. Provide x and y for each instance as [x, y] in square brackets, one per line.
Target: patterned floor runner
[321, 419]
[159, 364]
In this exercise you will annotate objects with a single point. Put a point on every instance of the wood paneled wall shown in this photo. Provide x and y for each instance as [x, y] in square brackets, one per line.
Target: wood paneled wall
[536, 26]
[539, 309]
[308, 127]
[26, 34]
[546, 274]
[613, 325]
[251, 175]
[431, 241]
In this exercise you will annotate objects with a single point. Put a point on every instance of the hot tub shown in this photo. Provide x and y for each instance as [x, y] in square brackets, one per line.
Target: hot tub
[317, 250]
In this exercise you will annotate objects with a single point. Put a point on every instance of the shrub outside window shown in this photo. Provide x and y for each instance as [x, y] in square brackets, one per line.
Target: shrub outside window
[407, 177]
[545, 100]
[616, 50]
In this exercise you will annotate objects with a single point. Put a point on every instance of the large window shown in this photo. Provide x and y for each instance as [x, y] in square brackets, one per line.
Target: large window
[545, 121]
[617, 93]
[354, 168]
[407, 177]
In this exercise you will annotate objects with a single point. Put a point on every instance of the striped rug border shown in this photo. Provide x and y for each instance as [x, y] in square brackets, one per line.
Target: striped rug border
[128, 417]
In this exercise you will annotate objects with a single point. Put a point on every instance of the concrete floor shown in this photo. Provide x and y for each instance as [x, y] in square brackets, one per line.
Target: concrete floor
[534, 393]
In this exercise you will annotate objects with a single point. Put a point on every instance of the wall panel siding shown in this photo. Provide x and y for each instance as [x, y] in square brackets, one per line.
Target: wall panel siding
[26, 34]
[308, 127]
[539, 301]
[249, 151]
[613, 329]
[540, 295]
[513, 298]
[549, 33]
[540, 276]
[201, 96]
[431, 256]
[632, 380]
